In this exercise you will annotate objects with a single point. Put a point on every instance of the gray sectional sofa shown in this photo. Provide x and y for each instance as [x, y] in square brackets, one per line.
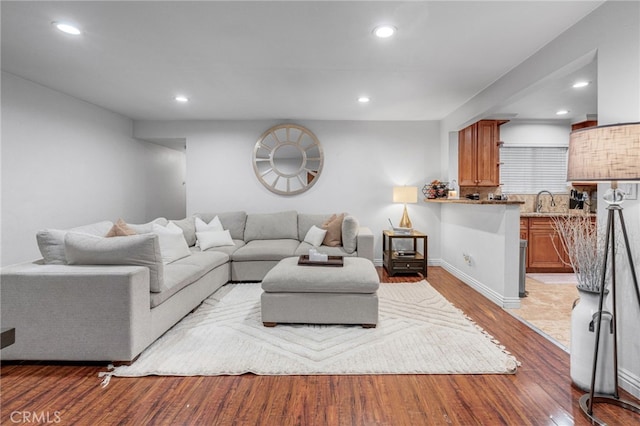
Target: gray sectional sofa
[106, 299]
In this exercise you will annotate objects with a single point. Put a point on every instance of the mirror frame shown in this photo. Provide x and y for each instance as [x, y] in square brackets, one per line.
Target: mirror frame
[294, 136]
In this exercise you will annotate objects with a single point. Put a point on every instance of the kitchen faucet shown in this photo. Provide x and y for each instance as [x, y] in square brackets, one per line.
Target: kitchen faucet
[538, 203]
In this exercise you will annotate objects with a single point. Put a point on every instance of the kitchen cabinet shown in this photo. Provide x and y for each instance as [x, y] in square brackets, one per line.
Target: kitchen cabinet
[479, 154]
[544, 248]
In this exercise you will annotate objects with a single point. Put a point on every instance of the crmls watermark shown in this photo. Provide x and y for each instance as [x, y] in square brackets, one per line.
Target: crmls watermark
[40, 417]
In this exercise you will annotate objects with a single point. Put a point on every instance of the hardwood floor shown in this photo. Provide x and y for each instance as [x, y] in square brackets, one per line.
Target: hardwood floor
[540, 393]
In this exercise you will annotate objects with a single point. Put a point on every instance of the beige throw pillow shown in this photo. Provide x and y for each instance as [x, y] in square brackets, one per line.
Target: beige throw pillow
[120, 229]
[333, 225]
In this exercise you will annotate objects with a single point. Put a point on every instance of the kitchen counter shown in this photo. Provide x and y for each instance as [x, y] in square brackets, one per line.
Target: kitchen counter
[557, 214]
[467, 201]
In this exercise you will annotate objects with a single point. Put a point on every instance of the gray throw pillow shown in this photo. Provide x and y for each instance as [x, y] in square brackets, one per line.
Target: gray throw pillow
[140, 250]
[350, 228]
[51, 241]
[188, 227]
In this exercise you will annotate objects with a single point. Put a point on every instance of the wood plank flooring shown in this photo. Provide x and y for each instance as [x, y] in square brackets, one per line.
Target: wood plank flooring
[540, 393]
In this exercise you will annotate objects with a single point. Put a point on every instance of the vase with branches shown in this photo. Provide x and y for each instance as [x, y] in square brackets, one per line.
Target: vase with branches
[580, 239]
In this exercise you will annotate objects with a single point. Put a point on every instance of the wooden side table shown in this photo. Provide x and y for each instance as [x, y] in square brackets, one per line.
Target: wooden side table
[395, 261]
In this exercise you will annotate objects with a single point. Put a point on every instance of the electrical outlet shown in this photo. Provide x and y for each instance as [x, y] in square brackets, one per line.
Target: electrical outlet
[467, 258]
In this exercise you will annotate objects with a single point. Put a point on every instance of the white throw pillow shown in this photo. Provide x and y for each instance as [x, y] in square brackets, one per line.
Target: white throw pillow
[173, 246]
[315, 236]
[214, 239]
[214, 225]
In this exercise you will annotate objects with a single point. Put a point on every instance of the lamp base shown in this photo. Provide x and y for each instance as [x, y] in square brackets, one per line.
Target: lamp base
[605, 399]
[405, 222]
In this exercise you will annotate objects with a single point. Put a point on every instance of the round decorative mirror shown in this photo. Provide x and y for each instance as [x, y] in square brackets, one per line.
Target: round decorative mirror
[288, 159]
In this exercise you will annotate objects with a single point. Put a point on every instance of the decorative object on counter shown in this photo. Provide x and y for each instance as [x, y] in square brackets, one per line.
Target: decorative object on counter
[607, 153]
[435, 189]
[453, 191]
[405, 194]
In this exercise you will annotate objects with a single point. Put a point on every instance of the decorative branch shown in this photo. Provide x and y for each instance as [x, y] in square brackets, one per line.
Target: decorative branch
[580, 238]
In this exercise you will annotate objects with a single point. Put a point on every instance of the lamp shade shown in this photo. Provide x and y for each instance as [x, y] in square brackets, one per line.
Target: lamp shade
[605, 153]
[405, 194]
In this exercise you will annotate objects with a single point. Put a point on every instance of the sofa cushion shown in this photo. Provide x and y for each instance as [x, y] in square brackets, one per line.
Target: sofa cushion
[211, 239]
[266, 250]
[141, 250]
[333, 225]
[229, 250]
[181, 273]
[306, 221]
[272, 226]
[350, 227]
[233, 221]
[51, 241]
[188, 227]
[173, 246]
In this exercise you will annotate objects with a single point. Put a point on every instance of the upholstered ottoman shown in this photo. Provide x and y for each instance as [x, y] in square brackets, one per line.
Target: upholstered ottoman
[294, 293]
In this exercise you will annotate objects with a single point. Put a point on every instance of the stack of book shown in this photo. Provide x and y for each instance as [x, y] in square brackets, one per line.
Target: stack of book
[405, 253]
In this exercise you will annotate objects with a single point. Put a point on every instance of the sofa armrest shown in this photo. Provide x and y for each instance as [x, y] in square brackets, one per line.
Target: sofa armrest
[75, 313]
[365, 243]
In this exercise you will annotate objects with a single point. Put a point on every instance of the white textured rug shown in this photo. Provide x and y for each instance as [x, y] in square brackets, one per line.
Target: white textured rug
[419, 332]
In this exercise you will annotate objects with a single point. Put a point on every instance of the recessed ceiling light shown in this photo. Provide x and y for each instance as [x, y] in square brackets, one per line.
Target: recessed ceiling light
[67, 28]
[562, 112]
[579, 84]
[364, 99]
[384, 31]
[181, 98]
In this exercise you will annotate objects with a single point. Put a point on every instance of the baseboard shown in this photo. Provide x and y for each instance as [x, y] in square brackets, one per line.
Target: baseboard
[489, 293]
[629, 382]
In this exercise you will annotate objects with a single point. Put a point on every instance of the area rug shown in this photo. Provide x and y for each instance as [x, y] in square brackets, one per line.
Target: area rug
[419, 332]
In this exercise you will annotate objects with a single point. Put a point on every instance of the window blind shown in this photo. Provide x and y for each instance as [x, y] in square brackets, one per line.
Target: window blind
[528, 170]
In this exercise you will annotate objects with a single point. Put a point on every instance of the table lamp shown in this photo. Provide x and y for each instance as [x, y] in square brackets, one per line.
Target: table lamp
[607, 154]
[405, 194]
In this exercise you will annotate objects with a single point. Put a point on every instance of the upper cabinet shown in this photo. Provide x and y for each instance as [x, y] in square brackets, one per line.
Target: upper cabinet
[479, 154]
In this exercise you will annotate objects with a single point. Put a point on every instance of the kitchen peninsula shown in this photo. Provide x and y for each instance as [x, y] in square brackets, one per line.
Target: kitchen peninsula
[481, 245]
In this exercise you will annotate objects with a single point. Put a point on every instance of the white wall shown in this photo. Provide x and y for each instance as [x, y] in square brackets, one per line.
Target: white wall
[363, 161]
[613, 32]
[476, 227]
[67, 163]
[532, 133]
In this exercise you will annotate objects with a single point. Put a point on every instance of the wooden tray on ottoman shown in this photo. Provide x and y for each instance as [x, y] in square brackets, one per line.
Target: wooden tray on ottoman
[331, 261]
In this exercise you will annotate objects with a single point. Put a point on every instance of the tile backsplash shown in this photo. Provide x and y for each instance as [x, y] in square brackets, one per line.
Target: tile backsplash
[561, 200]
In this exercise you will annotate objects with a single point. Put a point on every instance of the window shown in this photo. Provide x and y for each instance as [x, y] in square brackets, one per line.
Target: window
[528, 170]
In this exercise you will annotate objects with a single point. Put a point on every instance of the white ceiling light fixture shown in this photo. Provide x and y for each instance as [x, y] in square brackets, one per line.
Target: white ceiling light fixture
[562, 112]
[181, 99]
[67, 28]
[364, 99]
[579, 84]
[384, 31]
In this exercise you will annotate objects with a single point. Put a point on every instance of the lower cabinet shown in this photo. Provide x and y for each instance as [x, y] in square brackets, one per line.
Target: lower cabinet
[544, 248]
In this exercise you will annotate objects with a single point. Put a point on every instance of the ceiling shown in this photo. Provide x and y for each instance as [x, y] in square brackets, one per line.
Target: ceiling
[279, 60]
